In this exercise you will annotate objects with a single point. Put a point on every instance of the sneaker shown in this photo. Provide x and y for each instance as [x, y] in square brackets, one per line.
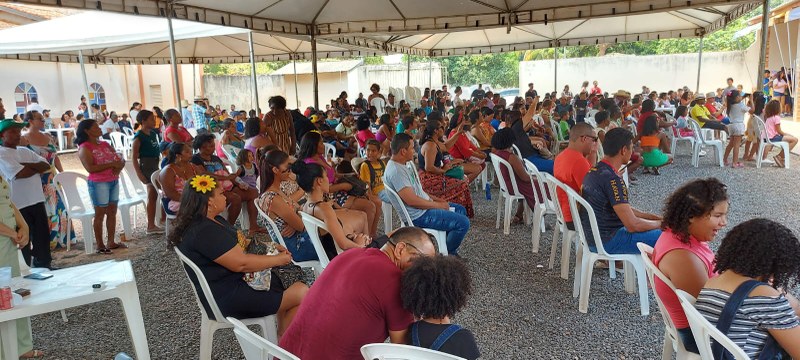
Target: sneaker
[155, 231]
[702, 153]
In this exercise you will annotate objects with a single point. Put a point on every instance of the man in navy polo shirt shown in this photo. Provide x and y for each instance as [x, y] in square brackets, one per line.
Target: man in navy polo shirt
[621, 226]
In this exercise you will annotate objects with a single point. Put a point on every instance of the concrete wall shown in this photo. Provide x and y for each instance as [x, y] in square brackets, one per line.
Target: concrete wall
[59, 85]
[629, 72]
[226, 90]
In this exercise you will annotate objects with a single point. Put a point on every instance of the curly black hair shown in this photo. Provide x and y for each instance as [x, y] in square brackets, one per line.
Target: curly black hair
[692, 200]
[761, 248]
[435, 286]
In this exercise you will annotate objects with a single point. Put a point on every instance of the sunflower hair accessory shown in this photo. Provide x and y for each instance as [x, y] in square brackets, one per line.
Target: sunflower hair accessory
[203, 183]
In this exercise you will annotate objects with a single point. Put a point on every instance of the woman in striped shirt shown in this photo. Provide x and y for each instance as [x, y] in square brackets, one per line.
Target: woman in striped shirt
[765, 251]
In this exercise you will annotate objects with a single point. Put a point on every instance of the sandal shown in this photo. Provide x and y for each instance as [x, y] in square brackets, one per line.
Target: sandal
[655, 171]
[516, 220]
[33, 354]
[778, 161]
[117, 246]
[103, 251]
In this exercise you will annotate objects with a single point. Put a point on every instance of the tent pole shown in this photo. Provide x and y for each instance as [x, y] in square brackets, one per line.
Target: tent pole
[296, 93]
[430, 74]
[253, 72]
[408, 72]
[314, 74]
[555, 68]
[194, 81]
[176, 84]
[762, 53]
[699, 64]
[778, 41]
[83, 73]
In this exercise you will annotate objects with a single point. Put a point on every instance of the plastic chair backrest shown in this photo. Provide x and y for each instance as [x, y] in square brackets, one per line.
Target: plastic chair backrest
[330, 151]
[128, 131]
[698, 134]
[556, 129]
[575, 200]
[553, 187]
[272, 228]
[137, 184]
[515, 151]
[703, 330]
[67, 184]
[652, 271]
[230, 155]
[403, 352]
[399, 206]
[536, 177]
[411, 166]
[762, 130]
[497, 162]
[192, 269]
[256, 347]
[118, 140]
[312, 227]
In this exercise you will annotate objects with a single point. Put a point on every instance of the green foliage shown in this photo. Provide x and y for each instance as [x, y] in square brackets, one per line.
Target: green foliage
[373, 60]
[262, 68]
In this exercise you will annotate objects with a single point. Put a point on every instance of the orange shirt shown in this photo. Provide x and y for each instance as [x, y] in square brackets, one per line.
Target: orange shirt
[570, 167]
[649, 141]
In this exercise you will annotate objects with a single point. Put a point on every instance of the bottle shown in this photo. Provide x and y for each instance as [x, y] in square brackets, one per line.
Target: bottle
[122, 237]
[122, 356]
[488, 191]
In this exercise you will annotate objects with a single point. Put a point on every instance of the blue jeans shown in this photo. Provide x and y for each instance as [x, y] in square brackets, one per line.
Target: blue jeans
[103, 193]
[688, 340]
[541, 163]
[299, 244]
[455, 223]
[624, 242]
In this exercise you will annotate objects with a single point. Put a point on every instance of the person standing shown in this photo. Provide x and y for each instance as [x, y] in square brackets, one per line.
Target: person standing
[200, 111]
[145, 153]
[103, 166]
[34, 105]
[186, 115]
[279, 125]
[135, 108]
[42, 144]
[531, 93]
[21, 166]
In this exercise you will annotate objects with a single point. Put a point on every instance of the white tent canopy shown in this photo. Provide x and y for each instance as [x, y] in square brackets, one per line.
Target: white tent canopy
[398, 26]
[145, 40]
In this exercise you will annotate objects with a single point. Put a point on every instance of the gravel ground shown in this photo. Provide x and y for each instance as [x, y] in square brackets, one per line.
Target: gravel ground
[520, 309]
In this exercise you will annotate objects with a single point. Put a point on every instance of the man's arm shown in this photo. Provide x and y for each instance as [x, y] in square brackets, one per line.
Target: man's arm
[645, 215]
[32, 169]
[398, 337]
[411, 199]
[632, 222]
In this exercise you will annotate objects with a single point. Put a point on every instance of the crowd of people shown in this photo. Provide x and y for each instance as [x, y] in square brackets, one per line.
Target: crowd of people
[336, 165]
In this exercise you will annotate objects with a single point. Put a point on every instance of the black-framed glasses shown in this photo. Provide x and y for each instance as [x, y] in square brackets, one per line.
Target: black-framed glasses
[594, 138]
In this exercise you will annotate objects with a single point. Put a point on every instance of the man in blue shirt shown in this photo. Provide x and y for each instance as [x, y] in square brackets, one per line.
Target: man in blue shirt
[186, 114]
[620, 225]
[200, 111]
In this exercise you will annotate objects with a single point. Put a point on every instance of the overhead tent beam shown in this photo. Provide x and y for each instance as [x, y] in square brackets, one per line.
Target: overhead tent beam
[112, 60]
[368, 45]
[254, 78]
[601, 9]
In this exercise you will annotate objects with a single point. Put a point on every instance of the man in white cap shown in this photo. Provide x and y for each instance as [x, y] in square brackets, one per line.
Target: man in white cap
[186, 114]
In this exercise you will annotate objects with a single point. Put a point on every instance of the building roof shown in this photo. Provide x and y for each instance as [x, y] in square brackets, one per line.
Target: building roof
[322, 67]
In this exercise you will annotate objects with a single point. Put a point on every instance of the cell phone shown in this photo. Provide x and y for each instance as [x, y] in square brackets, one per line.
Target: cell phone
[38, 276]
[23, 292]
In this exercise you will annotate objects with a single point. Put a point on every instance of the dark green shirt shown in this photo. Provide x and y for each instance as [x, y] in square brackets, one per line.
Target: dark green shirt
[148, 145]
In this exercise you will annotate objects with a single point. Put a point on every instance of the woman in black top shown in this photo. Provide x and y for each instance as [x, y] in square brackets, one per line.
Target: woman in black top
[213, 245]
[434, 289]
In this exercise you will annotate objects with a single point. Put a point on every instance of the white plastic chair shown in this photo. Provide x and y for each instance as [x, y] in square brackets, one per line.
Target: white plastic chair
[553, 185]
[515, 151]
[129, 199]
[209, 326]
[405, 219]
[128, 131]
[765, 141]
[313, 225]
[672, 342]
[700, 142]
[121, 143]
[275, 234]
[159, 202]
[507, 198]
[584, 268]
[256, 347]
[330, 151]
[675, 137]
[230, 156]
[557, 132]
[703, 331]
[548, 207]
[386, 351]
[67, 184]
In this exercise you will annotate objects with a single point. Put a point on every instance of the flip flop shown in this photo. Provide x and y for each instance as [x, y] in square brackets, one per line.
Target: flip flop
[33, 354]
[103, 251]
[117, 246]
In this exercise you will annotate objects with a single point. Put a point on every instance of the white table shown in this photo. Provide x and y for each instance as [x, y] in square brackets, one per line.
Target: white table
[71, 287]
[59, 132]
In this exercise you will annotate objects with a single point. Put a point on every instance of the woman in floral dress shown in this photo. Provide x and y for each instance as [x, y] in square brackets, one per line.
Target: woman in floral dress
[41, 143]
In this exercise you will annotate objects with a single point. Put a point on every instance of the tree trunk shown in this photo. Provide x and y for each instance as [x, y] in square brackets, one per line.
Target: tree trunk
[602, 49]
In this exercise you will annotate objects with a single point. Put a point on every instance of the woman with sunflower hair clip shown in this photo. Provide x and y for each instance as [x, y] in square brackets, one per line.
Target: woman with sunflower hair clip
[212, 243]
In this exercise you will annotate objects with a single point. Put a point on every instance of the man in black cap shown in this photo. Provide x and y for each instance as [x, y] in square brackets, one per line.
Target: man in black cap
[22, 168]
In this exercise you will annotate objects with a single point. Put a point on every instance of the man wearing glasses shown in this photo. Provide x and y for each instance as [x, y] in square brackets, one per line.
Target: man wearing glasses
[356, 301]
[572, 164]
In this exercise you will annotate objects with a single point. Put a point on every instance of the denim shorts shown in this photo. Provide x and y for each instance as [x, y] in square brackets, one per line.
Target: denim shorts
[103, 193]
[777, 138]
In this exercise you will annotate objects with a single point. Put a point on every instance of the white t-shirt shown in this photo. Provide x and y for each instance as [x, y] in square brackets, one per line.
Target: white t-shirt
[24, 192]
[736, 112]
[109, 126]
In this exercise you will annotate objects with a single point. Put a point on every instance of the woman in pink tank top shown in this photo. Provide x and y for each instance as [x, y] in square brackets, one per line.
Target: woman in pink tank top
[693, 216]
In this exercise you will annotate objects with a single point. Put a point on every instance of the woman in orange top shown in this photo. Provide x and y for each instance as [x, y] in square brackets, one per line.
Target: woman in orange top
[651, 138]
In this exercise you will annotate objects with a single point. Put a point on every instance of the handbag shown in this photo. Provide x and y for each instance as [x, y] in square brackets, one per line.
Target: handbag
[359, 187]
[261, 280]
[455, 172]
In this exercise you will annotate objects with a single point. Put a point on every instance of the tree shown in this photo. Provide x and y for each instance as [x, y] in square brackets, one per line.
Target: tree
[262, 68]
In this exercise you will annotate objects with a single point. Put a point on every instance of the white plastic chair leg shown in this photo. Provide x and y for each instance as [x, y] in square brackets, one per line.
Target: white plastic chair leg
[126, 221]
[88, 235]
[509, 203]
[576, 283]
[666, 353]
[500, 201]
[553, 246]
[64, 316]
[612, 269]
[206, 340]
[566, 245]
[586, 281]
[641, 279]
[719, 155]
[387, 209]
[628, 274]
[538, 225]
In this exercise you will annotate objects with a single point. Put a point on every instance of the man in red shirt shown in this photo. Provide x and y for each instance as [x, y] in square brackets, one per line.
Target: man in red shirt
[571, 165]
[716, 113]
[356, 301]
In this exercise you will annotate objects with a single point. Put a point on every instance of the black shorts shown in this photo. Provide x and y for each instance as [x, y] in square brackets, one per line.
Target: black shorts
[148, 166]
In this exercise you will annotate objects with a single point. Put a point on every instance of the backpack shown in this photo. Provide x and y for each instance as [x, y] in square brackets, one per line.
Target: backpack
[372, 175]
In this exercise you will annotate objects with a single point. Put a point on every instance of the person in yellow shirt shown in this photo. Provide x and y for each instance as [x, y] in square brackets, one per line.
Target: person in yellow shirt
[703, 117]
[371, 170]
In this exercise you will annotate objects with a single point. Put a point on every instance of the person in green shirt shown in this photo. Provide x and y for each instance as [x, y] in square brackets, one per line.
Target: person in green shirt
[144, 154]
